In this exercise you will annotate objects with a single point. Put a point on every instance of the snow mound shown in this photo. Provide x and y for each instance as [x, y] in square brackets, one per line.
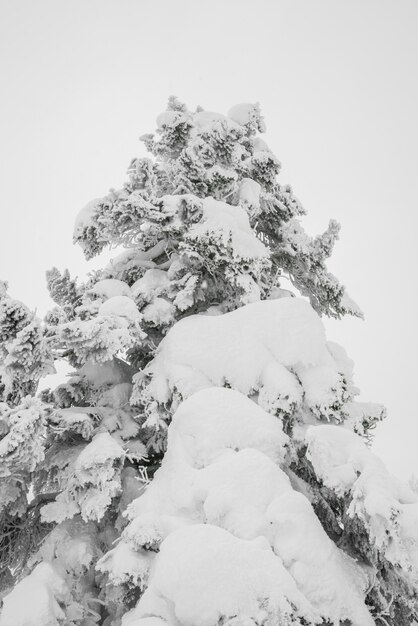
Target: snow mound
[36, 600]
[249, 194]
[246, 114]
[221, 470]
[170, 118]
[102, 449]
[125, 565]
[259, 145]
[160, 312]
[276, 348]
[153, 283]
[110, 287]
[224, 576]
[238, 488]
[121, 306]
[85, 217]
[211, 424]
[204, 121]
[230, 225]
[331, 580]
[216, 419]
[387, 508]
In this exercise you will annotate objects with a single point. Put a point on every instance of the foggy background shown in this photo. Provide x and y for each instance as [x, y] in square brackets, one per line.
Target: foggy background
[337, 83]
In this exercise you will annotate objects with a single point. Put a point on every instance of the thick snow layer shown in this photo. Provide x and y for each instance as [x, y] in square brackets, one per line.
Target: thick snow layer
[125, 565]
[233, 492]
[249, 193]
[85, 216]
[122, 306]
[211, 424]
[216, 419]
[205, 120]
[160, 312]
[204, 573]
[170, 118]
[387, 508]
[221, 469]
[259, 145]
[153, 283]
[128, 259]
[330, 579]
[238, 488]
[325, 389]
[266, 346]
[36, 600]
[244, 113]
[230, 225]
[237, 346]
[110, 287]
[102, 449]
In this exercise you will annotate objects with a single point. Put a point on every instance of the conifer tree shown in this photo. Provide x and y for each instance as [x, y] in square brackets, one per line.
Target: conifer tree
[207, 461]
[24, 358]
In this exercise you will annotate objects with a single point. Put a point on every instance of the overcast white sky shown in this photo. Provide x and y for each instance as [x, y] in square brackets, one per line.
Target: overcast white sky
[81, 80]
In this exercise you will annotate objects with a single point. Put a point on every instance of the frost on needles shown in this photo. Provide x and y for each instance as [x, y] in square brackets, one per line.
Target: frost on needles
[207, 462]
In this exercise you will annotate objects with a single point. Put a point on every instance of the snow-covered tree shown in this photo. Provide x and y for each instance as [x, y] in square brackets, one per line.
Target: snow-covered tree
[207, 461]
[25, 357]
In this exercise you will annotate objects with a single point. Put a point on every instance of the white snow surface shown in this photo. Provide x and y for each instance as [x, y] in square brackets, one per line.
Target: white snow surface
[35, 601]
[170, 118]
[229, 224]
[205, 120]
[267, 347]
[153, 283]
[159, 312]
[234, 537]
[110, 287]
[102, 449]
[249, 193]
[85, 216]
[121, 306]
[387, 507]
[243, 113]
[203, 573]
[125, 564]
[216, 419]
[259, 145]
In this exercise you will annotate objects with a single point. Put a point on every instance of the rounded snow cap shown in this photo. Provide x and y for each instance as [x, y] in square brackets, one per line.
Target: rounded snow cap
[248, 115]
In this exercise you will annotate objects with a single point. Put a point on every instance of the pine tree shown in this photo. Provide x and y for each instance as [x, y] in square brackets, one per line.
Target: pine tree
[207, 461]
[24, 358]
